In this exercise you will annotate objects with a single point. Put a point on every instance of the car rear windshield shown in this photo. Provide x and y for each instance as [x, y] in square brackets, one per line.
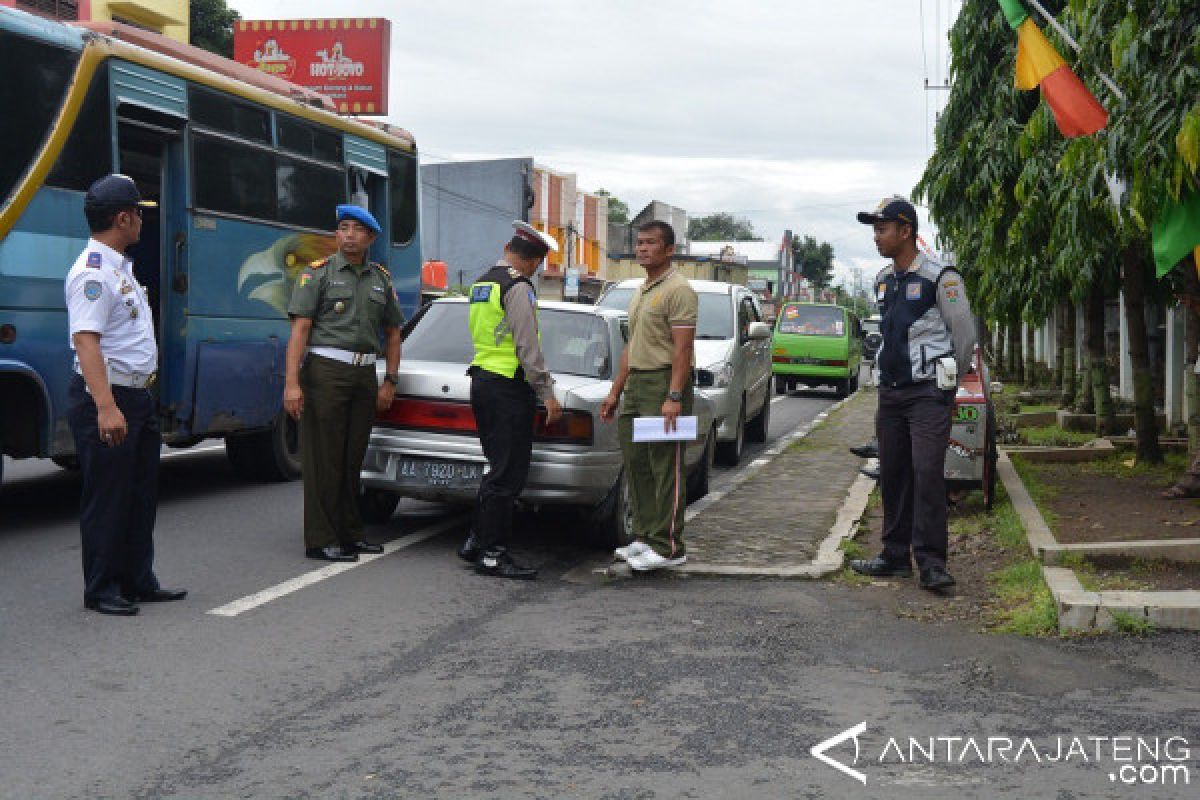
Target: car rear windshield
[38, 75]
[813, 320]
[573, 343]
[715, 314]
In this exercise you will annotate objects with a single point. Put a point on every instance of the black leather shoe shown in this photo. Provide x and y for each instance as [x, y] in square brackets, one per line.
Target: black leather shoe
[880, 568]
[469, 551]
[870, 472]
[501, 565]
[117, 606]
[935, 578]
[868, 450]
[332, 552]
[157, 596]
[363, 546]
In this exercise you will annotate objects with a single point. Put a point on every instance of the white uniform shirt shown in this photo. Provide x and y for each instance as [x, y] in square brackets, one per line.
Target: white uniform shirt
[103, 297]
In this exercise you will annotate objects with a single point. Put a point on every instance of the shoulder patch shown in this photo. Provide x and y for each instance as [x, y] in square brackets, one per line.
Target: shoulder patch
[92, 290]
[94, 260]
[382, 269]
[481, 292]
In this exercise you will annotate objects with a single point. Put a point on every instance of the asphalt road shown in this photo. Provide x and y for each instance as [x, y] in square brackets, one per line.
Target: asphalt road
[409, 676]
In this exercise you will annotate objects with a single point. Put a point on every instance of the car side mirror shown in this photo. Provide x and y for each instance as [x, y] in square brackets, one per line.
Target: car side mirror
[759, 330]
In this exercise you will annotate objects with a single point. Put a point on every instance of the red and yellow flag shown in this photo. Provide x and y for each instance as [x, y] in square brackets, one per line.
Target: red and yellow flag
[1076, 111]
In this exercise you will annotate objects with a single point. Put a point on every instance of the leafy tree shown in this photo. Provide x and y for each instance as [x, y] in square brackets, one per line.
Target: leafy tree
[212, 26]
[814, 260]
[722, 227]
[1029, 212]
[618, 209]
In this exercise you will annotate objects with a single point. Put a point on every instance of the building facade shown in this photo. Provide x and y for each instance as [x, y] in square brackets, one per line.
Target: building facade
[467, 209]
[168, 17]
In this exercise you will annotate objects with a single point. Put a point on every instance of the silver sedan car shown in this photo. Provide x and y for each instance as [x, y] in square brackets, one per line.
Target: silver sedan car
[426, 445]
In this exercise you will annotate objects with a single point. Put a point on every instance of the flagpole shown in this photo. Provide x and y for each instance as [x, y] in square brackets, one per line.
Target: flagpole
[1052, 22]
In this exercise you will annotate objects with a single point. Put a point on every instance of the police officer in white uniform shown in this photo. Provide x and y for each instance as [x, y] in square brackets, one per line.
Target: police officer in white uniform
[111, 411]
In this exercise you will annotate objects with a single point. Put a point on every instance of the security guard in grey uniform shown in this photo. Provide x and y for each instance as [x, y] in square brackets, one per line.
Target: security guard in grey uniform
[338, 308]
[508, 376]
[928, 333]
[111, 412]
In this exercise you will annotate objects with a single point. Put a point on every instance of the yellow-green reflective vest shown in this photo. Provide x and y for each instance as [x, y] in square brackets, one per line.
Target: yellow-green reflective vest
[495, 350]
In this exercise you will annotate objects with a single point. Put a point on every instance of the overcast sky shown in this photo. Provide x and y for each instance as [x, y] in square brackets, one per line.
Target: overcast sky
[793, 114]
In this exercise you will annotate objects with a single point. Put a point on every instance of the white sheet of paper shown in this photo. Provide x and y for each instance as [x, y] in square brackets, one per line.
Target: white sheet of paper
[650, 429]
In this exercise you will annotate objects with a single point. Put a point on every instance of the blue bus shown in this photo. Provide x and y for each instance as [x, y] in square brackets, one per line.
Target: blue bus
[246, 170]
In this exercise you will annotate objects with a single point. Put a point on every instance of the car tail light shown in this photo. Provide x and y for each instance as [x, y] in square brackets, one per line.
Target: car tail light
[429, 415]
[574, 427]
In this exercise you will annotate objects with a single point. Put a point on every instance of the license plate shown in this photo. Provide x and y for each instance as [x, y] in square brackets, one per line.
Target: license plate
[435, 473]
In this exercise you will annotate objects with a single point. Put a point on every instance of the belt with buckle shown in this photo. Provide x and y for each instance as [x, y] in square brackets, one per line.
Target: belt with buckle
[344, 356]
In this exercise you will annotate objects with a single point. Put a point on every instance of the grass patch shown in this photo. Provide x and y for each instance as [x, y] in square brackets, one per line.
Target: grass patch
[1029, 607]
[1122, 466]
[1037, 408]
[1053, 436]
[802, 445]
[848, 577]
[1031, 476]
[852, 549]
[1130, 625]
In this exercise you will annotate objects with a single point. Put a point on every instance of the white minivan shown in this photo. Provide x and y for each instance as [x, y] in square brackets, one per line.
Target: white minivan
[733, 359]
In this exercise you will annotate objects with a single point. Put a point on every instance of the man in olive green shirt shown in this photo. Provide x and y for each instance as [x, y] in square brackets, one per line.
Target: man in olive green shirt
[656, 379]
[338, 307]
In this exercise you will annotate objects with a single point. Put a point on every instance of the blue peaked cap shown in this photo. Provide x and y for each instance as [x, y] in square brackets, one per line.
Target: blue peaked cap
[359, 214]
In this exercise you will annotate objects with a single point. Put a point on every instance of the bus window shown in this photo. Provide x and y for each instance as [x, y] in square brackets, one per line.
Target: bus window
[306, 140]
[223, 114]
[31, 95]
[307, 193]
[87, 155]
[402, 179]
[233, 178]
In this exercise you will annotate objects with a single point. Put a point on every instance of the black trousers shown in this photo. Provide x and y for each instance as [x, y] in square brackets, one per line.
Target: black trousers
[913, 427]
[120, 493]
[504, 410]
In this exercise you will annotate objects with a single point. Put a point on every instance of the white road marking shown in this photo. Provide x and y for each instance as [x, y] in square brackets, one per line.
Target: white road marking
[257, 599]
[777, 398]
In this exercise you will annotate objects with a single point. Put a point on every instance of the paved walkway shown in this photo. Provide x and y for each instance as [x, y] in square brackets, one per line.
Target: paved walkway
[776, 518]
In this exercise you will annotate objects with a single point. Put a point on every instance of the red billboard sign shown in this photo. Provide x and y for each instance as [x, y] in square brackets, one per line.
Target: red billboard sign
[346, 59]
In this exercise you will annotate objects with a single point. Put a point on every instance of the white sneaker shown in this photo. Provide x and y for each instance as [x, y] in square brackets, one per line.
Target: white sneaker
[630, 550]
[650, 560]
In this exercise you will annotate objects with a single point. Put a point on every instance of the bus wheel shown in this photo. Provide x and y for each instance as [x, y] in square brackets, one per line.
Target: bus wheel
[272, 455]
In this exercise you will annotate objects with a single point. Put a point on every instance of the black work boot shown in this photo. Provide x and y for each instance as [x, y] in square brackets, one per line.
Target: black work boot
[469, 550]
[498, 563]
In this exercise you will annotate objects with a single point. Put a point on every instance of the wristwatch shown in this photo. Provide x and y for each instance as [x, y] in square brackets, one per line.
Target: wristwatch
[392, 378]
[675, 397]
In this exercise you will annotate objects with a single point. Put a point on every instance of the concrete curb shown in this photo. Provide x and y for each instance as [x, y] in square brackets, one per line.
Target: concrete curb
[1082, 610]
[829, 557]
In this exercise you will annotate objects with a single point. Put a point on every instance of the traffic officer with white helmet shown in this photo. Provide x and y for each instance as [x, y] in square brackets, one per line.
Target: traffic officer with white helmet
[338, 308]
[111, 411]
[508, 377]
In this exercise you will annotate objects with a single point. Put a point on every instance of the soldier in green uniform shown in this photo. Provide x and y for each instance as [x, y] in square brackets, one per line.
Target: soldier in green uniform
[338, 308]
